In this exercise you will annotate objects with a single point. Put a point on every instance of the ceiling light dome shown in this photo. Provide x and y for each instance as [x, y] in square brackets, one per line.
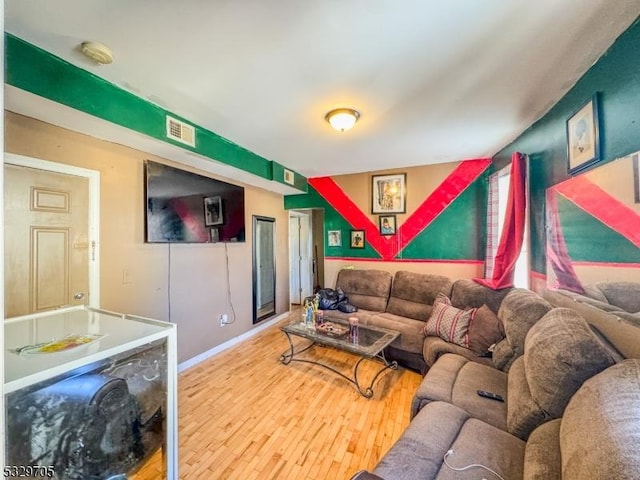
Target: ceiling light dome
[342, 119]
[98, 52]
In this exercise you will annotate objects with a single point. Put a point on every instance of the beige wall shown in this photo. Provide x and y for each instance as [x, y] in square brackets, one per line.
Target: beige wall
[184, 283]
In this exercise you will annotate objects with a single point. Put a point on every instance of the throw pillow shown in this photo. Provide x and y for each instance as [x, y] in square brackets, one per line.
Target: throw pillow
[485, 330]
[449, 323]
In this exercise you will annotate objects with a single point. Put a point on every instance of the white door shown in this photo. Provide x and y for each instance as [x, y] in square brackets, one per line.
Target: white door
[301, 257]
[294, 249]
[48, 247]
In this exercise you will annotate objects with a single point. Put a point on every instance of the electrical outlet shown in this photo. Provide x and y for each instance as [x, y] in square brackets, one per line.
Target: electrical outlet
[224, 319]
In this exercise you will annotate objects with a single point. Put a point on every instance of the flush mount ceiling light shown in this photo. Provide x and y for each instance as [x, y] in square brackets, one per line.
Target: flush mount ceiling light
[342, 119]
[96, 51]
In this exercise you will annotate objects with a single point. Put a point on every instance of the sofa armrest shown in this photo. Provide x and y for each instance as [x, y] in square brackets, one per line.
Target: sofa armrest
[364, 475]
[435, 347]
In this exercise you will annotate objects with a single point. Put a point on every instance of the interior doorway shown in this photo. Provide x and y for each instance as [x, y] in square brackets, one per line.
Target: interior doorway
[51, 235]
[301, 257]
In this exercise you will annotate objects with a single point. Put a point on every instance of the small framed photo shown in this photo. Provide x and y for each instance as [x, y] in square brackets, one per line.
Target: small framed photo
[583, 137]
[213, 211]
[387, 224]
[214, 235]
[334, 238]
[636, 177]
[388, 193]
[357, 239]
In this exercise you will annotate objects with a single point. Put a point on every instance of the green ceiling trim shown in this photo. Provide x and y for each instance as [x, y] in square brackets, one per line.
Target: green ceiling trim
[37, 71]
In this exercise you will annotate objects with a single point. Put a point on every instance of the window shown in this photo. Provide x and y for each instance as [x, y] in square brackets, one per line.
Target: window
[496, 210]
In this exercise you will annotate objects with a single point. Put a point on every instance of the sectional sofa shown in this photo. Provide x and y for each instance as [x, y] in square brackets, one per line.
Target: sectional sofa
[571, 405]
[619, 298]
[405, 301]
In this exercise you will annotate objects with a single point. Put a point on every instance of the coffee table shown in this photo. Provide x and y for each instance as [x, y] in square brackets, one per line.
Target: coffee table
[369, 345]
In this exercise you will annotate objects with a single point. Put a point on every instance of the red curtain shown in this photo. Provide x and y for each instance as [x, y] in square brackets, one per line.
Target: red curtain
[513, 228]
[557, 254]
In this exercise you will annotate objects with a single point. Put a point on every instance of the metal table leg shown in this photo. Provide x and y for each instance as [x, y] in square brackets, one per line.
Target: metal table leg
[288, 356]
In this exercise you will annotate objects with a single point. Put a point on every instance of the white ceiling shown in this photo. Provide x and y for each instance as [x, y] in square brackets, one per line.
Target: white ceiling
[435, 81]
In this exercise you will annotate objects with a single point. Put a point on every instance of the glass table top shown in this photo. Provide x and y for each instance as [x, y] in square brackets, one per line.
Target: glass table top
[370, 341]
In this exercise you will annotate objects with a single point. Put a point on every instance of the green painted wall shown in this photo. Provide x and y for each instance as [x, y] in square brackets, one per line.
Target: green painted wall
[37, 71]
[456, 234]
[616, 76]
[589, 240]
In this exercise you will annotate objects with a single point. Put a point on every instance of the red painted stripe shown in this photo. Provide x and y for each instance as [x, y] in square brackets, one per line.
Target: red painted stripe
[538, 275]
[601, 205]
[607, 264]
[406, 260]
[339, 200]
[388, 247]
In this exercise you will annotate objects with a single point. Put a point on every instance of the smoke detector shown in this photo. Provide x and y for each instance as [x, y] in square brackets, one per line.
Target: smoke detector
[96, 51]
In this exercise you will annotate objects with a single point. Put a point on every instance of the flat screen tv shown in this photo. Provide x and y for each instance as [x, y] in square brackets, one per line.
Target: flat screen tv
[185, 207]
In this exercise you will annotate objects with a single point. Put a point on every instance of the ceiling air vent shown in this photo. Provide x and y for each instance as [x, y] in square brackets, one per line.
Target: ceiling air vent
[289, 177]
[181, 132]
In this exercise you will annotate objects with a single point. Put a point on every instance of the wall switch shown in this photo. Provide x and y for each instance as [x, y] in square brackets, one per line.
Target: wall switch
[126, 276]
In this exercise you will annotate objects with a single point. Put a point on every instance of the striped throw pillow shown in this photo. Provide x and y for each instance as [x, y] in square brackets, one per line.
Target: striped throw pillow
[449, 323]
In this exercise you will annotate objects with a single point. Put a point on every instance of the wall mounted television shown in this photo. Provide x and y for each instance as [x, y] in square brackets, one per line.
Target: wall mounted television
[184, 207]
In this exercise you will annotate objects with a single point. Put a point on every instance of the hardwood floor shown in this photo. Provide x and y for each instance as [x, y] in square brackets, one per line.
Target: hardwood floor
[244, 415]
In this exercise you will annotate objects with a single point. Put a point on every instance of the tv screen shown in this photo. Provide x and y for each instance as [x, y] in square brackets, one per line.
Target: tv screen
[185, 207]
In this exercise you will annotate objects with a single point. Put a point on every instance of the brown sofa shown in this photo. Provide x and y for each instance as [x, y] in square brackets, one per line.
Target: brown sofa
[619, 298]
[404, 302]
[596, 438]
[544, 430]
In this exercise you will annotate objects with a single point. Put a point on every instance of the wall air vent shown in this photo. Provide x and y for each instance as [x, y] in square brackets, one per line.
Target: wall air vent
[289, 177]
[181, 132]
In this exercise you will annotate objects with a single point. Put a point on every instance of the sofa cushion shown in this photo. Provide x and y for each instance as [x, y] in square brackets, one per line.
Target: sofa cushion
[625, 295]
[449, 323]
[411, 337]
[519, 311]
[418, 454]
[600, 430]
[561, 352]
[456, 380]
[485, 330]
[434, 347]
[367, 289]
[542, 454]
[469, 294]
[413, 294]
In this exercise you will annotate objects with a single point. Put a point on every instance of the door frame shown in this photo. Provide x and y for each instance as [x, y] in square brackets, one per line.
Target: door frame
[94, 211]
[308, 248]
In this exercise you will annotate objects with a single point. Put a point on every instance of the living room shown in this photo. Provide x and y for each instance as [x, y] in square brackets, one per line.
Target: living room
[192, 285]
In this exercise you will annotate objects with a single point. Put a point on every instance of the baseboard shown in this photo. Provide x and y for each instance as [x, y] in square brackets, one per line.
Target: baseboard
[192, 362]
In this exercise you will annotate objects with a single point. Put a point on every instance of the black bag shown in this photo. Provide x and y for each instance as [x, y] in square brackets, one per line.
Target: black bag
[331, 299]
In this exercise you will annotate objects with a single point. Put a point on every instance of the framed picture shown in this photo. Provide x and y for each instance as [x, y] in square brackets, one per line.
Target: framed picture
[387, 224]
[636, 177]
[213, 211]
[214, 235]
[357, 239]
[388, 193]
[334, 238]
[583, 137]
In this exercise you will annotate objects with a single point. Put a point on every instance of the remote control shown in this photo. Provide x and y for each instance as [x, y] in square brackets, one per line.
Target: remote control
[490, 395]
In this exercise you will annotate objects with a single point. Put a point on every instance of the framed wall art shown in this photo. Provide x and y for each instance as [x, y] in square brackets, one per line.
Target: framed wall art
[357, 239]
[213, 211]
[583, 137]
[334, 238]
[387, 224]
[388, 193]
